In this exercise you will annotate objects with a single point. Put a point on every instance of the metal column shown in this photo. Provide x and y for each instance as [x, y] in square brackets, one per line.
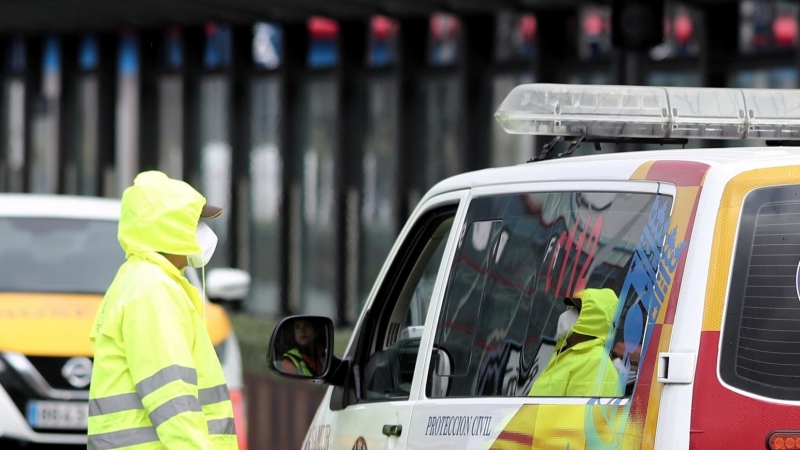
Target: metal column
[719, 39]
[68, 159]
[552, 47]
[413, 42]
[151, 43]
[192, 65]
[295, 49]
[352, 48]
[33, 83]
[107, 75]
[477, 58]
[239, 125]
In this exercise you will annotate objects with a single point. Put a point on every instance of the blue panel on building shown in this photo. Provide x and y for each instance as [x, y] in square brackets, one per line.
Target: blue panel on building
[128, 55]
[89, 56]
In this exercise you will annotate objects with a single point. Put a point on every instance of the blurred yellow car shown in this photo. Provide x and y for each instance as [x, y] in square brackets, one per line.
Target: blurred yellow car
[58, 255]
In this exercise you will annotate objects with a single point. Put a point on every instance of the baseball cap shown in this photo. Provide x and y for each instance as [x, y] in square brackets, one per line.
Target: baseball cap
[571, 301]
[210, 212]
[577, 294]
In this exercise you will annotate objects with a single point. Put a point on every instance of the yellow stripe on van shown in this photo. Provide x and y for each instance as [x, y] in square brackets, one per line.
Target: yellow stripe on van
[653, 405]
[46, 324]
[685, 198]
[641, 172]
[725, 233]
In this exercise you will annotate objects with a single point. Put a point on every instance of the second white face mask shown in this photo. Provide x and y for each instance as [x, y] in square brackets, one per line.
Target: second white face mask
[207, 240]
[565, 322]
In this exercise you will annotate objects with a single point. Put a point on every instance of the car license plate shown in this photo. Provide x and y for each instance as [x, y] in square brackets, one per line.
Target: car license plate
[59, 415]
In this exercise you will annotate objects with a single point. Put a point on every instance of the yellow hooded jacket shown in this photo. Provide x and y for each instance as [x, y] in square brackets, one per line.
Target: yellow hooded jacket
[157, 381]
[585, 369]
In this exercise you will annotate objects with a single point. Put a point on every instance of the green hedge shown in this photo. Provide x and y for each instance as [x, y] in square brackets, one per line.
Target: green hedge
[254, 332]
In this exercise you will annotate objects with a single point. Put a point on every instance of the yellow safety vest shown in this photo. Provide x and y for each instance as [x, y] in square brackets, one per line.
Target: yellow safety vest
[157, 381]
[300, 364]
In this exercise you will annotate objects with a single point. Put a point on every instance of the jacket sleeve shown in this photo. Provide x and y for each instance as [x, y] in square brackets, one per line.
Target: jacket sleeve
[158, 333]
[593, 377]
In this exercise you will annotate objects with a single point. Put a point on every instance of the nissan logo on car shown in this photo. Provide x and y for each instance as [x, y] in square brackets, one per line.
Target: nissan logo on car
[78, 372]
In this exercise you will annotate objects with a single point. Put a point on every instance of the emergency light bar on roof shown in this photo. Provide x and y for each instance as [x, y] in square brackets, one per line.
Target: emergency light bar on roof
[641, 112]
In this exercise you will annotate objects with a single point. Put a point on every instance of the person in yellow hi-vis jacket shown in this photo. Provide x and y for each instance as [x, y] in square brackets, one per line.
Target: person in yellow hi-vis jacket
[581, 365]
[157, 382]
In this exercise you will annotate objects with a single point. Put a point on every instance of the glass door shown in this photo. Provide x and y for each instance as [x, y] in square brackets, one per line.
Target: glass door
[379, 189]
[216, 158]
[266, 195]
[319, 256]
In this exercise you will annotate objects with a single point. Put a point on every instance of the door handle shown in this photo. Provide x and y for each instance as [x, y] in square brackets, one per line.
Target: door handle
[392, 430]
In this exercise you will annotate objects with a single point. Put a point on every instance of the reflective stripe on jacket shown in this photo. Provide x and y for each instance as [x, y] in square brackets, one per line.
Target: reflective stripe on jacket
[157, 381]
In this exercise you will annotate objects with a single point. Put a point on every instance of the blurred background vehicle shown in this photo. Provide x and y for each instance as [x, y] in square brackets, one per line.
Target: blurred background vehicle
[58, 255]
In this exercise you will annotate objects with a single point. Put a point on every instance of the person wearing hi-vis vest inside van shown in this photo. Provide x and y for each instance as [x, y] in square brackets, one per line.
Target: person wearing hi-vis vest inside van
[157, 381]
[581, 366]
[307, 357]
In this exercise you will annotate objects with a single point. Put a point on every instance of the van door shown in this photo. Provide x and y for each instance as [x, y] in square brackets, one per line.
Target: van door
[373, 410]
[511, 379]
[745, 393]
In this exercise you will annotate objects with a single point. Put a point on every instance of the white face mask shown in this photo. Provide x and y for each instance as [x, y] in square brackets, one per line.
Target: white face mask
[565, 322]
[207, 241]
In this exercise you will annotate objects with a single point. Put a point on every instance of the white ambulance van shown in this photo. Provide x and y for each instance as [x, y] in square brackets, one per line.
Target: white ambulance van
[633, 300]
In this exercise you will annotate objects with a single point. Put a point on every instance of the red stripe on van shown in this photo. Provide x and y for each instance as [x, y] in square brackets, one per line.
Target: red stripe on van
[517, 438]
[722, 418]
[672, 304]
[682, 173]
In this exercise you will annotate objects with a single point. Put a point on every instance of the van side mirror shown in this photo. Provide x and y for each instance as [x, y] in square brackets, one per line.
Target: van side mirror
[302, 347]
[228, 285]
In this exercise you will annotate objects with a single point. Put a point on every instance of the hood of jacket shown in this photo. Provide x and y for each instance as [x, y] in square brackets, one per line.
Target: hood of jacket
[598, 307]
[159, 214]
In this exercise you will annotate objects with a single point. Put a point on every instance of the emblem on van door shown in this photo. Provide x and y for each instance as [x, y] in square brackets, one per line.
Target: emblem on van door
[78, 371]
[360, 444]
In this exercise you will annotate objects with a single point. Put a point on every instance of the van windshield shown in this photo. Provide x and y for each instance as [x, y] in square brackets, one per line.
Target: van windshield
[70, 256]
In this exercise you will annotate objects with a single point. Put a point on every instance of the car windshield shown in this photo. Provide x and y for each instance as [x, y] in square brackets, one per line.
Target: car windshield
[78, 256]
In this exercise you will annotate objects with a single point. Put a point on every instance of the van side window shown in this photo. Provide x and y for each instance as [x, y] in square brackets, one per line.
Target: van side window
[761, 335]
[403, 302]
[520, 258]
